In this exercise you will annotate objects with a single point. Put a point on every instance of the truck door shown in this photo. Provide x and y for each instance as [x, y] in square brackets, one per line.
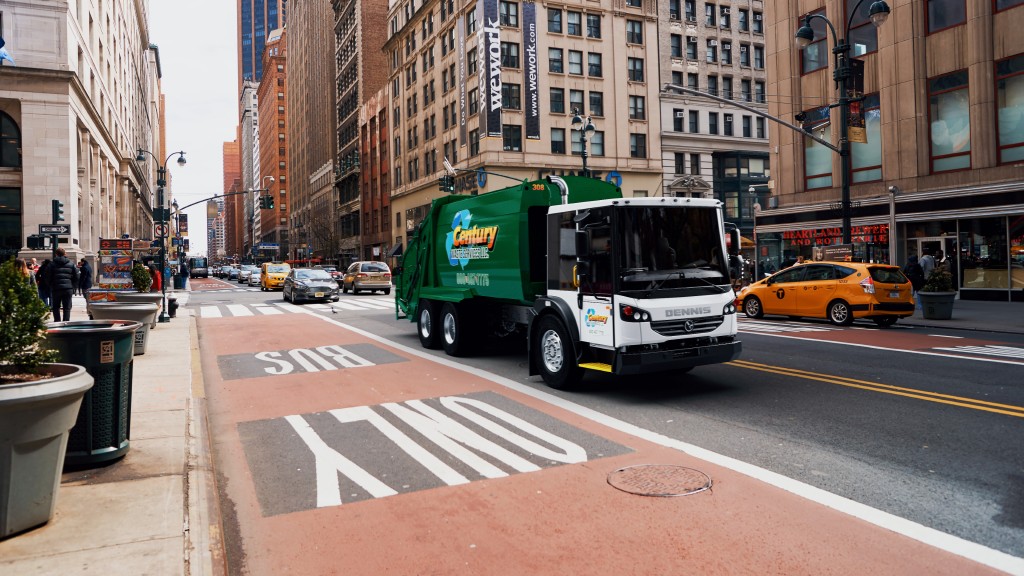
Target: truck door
[596, 313]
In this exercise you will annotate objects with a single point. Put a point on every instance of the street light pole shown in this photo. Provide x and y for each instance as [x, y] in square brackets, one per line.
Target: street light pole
[161, 182]
[878, 12]
[586, 130]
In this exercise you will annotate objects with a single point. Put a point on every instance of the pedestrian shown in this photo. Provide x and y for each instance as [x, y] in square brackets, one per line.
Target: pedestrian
[154, 273]
[34, 266]
[43, 281]
[915, 273]
[21, 266]
[63, 277]
[85, 280]
[927, 264]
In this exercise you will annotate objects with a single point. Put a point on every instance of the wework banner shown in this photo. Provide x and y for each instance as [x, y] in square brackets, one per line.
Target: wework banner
[530, 69]
[462, 80]
[489, 52]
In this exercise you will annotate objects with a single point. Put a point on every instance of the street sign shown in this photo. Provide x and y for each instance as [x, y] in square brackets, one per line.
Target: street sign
[160, 230]
[60, 229]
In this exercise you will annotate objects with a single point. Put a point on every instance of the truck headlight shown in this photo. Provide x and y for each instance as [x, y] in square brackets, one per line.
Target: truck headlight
[631, 313]
[729, 308]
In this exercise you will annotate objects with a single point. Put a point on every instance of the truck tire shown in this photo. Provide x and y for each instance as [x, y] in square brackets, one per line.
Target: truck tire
[427, 325]
[555, 357]
[454, 333]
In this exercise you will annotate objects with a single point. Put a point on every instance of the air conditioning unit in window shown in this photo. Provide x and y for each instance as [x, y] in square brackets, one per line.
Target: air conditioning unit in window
[757, 17]
[743, 49]
[680, 114]
[725, 11]
[673, 17]
[691, 39]
[712, 42]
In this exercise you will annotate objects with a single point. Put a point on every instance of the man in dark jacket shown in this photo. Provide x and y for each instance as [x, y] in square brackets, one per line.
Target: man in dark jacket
[63, 277]
[85, 280]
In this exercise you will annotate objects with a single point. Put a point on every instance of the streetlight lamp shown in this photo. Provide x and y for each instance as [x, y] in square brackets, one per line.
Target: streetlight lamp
[878, 12]
[586, 129]
[161, 216]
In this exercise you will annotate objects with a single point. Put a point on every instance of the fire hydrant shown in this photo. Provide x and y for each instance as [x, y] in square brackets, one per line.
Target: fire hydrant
[172, 307]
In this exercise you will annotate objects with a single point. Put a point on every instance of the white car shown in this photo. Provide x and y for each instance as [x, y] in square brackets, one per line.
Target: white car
[254, 278]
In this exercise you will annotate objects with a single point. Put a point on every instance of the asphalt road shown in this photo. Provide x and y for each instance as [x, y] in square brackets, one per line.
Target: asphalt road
[900, 420]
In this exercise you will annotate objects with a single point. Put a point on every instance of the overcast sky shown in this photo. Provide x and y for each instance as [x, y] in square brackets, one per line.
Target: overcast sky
[199, 61]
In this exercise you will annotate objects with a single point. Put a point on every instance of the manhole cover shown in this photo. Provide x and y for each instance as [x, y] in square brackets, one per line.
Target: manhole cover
[659, 480]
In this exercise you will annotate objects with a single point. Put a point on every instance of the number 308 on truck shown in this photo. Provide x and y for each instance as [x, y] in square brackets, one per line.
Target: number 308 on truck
[592, 280]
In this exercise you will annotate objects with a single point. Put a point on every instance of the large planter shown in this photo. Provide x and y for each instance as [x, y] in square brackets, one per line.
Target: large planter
[35, 418]
[143, 312]
[136, 297]
[937, 305]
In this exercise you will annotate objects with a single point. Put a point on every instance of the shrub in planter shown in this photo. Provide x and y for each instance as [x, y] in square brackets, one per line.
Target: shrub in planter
[39, 403]
[141, 278]
[939, 281]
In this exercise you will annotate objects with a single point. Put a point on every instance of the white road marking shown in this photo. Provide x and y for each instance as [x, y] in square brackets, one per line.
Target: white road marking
[267, 309]
[930, 536]
[1007, 351]
[210, 312]
[239, 310]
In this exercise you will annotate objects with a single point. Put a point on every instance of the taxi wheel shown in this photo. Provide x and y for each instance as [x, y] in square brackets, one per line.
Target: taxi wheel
[752, 307]
[885, 321]
[344, 288]
[839, 313]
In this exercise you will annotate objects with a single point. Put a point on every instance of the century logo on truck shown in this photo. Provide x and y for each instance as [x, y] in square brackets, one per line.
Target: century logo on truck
[467, 242]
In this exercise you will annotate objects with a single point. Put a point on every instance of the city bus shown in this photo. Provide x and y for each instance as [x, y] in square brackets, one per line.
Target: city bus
[198, 267]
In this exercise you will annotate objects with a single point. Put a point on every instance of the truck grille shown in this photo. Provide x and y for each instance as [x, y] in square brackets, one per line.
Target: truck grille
[687, 326]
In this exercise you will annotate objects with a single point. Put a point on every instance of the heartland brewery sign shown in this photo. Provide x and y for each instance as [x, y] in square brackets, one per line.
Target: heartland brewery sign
[876, 234]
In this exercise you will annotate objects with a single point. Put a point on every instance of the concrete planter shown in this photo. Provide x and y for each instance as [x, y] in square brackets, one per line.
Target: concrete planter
[937, 305]
[143, 312]
[146, 297]
[35, 418]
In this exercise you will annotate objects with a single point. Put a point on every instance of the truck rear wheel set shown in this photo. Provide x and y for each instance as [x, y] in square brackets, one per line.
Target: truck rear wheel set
[427, 325]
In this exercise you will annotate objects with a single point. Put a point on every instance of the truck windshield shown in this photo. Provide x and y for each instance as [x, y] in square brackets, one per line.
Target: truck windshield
[668, 248]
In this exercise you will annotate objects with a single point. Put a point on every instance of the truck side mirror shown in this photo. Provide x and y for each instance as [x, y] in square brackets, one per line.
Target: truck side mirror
[582, 244]
[734, 242]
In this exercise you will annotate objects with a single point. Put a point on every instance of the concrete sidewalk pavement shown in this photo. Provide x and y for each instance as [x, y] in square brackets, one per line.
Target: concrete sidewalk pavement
[153, 511]
[1004, 317]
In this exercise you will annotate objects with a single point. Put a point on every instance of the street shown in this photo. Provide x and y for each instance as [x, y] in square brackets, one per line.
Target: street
[916, 423]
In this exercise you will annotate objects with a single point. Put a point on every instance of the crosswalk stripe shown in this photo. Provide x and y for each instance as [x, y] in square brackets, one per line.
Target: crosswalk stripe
[210, 312]
[375, 304]
[267, 309]
[346, 305]
[239, 310]
[1005, 351]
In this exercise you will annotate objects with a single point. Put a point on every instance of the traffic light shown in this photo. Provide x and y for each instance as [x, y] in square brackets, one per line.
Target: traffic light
[446, 183]
[36, 242]
[58, 211]
[267, 202]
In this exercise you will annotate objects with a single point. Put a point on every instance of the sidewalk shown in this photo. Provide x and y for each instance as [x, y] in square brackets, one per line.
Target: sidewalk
[155, 511]
[149, 512]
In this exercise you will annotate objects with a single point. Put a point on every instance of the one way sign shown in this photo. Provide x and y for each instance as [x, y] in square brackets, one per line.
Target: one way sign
[60, 229]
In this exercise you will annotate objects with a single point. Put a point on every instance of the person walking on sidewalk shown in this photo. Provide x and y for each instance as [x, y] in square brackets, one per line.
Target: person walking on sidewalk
[927, 264]
[63, 277]
[43, 281]
[85, 282]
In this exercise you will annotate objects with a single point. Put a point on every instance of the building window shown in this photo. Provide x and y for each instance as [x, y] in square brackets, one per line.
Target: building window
[759, 124]
[1010, 108]
[693, 121]
[727, 87]
[691, 80]
[744, 21]
[678, 116]
[555, 60]
[759, 57]
[817, 158]
[709, 14]
[695, 164]
[474, 142]
[635, 69]
[10, 143]
[814, 56]
[474, 101]
[712, 122]
[554, 20]
[866, 159]
[728, 125]
[634, 32]
[594, 64]
[636, 108]
[558, 140]
[677, 77]
[950, 122]
[679, 164]
[512, 137]
[673, 9]
[944, 14]
[509, 55]
[676, 46]
[745, 90]
[1007, 4]
[510, 96]
[557, 99]
[691, 47]
[593, 25]
[635, 3]
[471, 62]
[863, 37]
[759, 92]
[726, 52]
[597, 103]
[508, 13]
[744, 54]
[576, 62]
[691, 10]
[724, 20]
[574, 23]
[713, 85]
[576, 100]
[712, 52]
[747, 127]
[597, 143]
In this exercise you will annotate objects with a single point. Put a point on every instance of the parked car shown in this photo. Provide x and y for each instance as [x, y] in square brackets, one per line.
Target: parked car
[367, 275]
[304, 284]
[837, 291]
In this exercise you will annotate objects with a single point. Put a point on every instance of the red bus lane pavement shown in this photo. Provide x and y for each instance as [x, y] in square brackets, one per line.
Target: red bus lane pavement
[338, 452]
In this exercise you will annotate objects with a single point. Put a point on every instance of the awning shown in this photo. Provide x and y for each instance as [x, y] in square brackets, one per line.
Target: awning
[396, 251]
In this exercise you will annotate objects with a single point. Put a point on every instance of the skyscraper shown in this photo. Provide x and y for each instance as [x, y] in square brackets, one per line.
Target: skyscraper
[256, 18]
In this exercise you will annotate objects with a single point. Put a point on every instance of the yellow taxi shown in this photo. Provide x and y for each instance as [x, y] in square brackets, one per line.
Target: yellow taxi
[272, 275]
[837, 291]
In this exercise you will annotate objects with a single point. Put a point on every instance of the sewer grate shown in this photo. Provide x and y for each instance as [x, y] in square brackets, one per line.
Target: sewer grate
[659, 480]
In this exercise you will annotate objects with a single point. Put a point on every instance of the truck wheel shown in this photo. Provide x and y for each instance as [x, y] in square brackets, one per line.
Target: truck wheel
[427, 325]
[555, 356]
[454, 336]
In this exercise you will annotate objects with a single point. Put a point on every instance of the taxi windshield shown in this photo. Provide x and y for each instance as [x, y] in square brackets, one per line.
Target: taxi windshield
[277, 268]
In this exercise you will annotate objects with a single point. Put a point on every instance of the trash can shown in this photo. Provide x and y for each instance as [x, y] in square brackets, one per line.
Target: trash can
[179, 282]
[105, 349]
[135, 311]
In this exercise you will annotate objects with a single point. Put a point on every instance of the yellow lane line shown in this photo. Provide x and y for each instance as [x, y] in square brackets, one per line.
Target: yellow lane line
[984, 405]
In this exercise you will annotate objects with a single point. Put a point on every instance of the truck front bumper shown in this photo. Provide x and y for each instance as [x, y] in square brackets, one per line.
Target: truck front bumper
[648, 361]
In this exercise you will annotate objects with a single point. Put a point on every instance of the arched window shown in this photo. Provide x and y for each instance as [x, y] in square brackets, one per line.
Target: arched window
[10, 142]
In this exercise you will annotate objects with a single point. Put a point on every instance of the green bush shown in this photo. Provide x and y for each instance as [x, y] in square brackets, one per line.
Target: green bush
[141, 278]
[939, 281]
[23, 317]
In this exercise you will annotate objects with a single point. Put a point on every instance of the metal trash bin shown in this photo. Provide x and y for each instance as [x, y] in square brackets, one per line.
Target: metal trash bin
[136, 311]
[179, 282]
[105, 349]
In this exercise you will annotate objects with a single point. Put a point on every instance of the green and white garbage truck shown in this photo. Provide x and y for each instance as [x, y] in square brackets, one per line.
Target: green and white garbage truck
[593, 280]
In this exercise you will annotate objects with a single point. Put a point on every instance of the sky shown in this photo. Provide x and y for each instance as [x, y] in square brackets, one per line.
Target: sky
[199, 61]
